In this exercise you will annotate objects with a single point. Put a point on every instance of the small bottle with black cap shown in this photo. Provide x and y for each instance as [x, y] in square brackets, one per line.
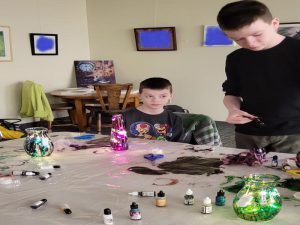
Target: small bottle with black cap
[108, 217]
[161, 200]
[135, 213]
[220, 198]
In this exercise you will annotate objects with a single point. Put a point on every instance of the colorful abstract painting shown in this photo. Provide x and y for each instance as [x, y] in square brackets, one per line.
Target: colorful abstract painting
[90, 72]
[5, 45]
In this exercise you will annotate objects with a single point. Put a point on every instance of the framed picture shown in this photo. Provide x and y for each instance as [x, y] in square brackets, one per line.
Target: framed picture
[289, 29]
[214, 36]
[5, 44]
[90, 72]
[155, 39]
[43, 44]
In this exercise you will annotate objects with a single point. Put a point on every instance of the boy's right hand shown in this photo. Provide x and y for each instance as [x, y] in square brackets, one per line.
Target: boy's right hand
[239, 117]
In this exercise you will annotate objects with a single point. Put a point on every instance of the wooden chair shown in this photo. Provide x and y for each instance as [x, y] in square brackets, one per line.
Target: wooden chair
[63, 106]
[111, 101]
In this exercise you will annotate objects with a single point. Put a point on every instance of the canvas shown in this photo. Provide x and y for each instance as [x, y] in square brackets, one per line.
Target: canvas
[90, 72]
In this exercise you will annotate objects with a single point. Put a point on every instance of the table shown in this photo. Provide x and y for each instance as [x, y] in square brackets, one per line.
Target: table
[80, 98]
[92, 179]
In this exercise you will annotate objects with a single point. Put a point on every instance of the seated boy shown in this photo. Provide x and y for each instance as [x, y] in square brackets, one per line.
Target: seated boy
[150, 120]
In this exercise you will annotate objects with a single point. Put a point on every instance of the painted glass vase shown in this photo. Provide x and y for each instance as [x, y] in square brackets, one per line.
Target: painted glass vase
[259, 199]
[118, 138]
[37, 143]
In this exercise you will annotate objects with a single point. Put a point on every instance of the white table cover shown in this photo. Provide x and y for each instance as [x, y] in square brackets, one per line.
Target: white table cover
[90, 180]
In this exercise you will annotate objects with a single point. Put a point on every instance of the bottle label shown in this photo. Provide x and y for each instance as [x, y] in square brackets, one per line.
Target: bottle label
[108, 219]
[147, 193]
[189, 200]
[135, 215]
[206, 209]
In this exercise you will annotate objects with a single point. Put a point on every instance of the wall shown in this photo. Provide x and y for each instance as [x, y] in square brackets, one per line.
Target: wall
[106, 26]
[196, 72]
[68, 19]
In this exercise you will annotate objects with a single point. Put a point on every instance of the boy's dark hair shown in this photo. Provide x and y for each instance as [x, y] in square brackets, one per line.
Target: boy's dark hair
[156, 83]
[236, 15]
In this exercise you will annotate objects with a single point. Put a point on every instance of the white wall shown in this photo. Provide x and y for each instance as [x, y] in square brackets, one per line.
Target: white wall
[68, 19]
[196, 72]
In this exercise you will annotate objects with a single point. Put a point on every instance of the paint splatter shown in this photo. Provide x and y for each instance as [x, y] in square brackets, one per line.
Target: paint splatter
[161, 181]
[146, 171]
[193, 165]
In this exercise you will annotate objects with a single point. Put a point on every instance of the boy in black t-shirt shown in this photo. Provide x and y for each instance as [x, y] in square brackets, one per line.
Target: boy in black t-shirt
[262, 91]
[150, 120]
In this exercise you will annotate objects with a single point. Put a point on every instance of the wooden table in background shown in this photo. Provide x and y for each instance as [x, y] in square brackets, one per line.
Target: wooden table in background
[81, 99]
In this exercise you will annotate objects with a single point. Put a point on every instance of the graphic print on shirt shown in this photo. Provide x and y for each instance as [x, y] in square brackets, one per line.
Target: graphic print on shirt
[148, 131]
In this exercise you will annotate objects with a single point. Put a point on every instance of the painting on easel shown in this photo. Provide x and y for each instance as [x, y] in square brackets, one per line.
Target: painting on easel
[90, 72]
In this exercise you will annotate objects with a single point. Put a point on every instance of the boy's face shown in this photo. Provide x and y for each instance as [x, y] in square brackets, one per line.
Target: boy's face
[257, 36]
[155, 99]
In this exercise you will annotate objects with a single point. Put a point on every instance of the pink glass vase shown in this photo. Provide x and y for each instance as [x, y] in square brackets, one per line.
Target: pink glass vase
[118, 138]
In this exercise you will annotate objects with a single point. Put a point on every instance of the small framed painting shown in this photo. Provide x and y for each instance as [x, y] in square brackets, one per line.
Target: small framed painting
[289, 29]
[5, 44]
[91, 72]
[43, 44]
[155, 39]
[214, 36]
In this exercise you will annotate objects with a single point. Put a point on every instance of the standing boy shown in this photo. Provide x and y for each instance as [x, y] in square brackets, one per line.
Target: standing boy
[262, 90]
[150, 120]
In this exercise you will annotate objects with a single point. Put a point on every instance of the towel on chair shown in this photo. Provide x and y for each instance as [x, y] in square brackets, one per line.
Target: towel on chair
[202, 128]
[35, 102]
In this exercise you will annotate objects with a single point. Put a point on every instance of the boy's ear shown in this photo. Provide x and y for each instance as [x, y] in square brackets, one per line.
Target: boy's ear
[275, 23]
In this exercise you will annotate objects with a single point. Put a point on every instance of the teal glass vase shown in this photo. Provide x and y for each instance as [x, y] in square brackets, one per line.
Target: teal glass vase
[37, 143]
[259, 199]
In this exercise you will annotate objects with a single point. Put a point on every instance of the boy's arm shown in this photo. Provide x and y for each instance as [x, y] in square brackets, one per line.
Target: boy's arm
[235, 115]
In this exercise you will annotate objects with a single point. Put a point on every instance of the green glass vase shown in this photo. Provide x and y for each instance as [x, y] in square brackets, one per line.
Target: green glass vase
[259, 199]
[37, 143]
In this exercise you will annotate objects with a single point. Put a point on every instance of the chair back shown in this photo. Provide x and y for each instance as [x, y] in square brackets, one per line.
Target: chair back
[111, 97]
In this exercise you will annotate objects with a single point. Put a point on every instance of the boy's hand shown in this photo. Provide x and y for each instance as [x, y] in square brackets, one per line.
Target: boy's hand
[239, 117]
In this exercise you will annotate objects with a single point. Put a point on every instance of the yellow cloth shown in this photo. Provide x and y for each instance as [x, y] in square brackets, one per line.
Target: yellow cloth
[34, 102]
[10, 134]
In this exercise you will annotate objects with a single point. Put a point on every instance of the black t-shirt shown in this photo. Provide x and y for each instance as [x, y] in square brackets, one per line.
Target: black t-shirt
[268, 82]
[164, 126]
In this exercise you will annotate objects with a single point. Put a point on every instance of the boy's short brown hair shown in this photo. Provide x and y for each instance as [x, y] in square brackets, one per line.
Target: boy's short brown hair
[155, 83]
[236, 15]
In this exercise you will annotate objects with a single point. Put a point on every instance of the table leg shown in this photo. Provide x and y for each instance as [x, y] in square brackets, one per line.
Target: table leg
[80, 115]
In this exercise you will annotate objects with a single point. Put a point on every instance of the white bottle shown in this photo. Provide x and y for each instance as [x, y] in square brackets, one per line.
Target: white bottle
[189, 197]
[107, 217]
[207, 206]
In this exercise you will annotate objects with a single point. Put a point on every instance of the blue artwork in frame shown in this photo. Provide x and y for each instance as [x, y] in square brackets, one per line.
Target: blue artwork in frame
[214, 36]
[155, 39]
[43, 44]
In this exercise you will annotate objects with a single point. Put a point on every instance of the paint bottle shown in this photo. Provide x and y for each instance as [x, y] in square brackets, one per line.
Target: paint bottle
[66, 209]
[206, 208]
[50, 167]
[189, 197]
[143, 193]
[24, 173]
[220, 198]
[45, 176]
[38, 204]
[135, 213]
[274, 162]
[161, 200]
[108, 217]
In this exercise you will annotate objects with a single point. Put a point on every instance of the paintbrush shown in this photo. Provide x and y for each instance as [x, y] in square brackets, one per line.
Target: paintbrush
[257, 120]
